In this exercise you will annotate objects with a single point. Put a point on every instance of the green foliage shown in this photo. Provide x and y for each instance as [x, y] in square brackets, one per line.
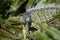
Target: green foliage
[13, 28]
[57, 16]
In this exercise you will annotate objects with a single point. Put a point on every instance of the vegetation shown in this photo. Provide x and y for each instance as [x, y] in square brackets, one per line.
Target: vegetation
[44, 23]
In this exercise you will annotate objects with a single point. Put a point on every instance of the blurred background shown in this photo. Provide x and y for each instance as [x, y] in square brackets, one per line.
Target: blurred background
[29, 19]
